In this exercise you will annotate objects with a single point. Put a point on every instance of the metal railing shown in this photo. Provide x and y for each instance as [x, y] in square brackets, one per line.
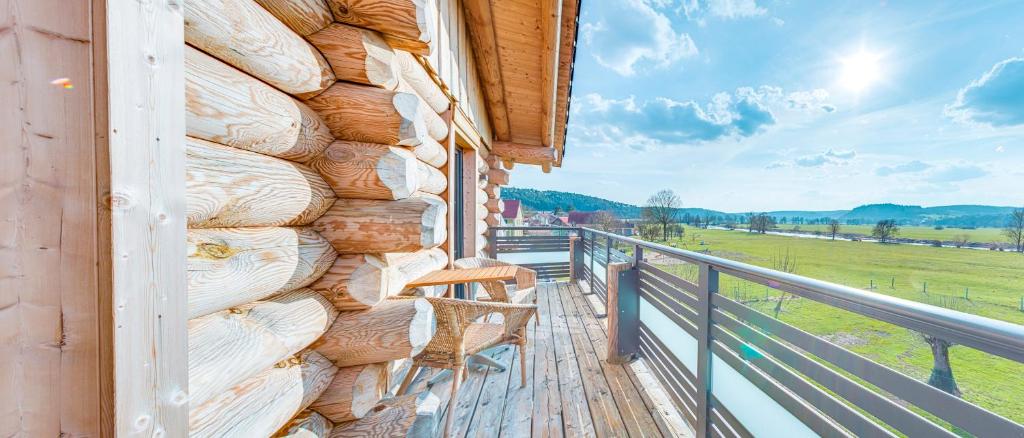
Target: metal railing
[542, 249]
[734, 371]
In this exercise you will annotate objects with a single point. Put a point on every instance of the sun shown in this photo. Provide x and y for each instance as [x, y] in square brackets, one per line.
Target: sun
[860, 70]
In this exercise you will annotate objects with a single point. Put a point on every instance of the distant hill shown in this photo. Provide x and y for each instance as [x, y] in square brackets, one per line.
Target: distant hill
[948, 215]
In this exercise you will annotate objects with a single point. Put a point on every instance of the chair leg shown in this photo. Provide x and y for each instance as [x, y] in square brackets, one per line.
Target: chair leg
[456, 381]
[522, 365]
[408, 378]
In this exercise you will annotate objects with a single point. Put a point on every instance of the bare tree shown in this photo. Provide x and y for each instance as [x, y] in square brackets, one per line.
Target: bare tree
[662, 208]
[942, 372]
[885, 230]
[833, 228]
[1015, 230]
[604, 220]
[761, 223]
[648, 231]
[784, 262]
[961, 240]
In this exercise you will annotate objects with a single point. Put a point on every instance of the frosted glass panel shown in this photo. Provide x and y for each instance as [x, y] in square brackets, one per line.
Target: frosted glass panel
[679, 342]
[522, 258]
[758, 412]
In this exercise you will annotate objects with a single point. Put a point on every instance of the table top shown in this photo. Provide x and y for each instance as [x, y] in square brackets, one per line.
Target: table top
[459, 276]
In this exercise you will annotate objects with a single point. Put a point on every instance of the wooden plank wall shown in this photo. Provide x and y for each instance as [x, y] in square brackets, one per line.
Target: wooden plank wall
[55, 371]
[452, 59]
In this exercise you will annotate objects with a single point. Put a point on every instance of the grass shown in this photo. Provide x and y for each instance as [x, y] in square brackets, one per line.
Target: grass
[979, 235]
[992, 282]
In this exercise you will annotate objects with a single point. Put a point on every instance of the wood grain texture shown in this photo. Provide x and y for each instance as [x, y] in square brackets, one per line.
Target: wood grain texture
[229, 267]
[493, 190]
[551, 26]
[353, 392]
[431, 152]
[413, 415]
[369, 171]
[52, 181]
[404, 23]
[526, 154]
[493, 220]
[358, 281]
[146, 102]
[370, 114]
[410, 266]
[357, 55]
[393, 329]
[357, 226]
[229, 187]
[228, 347]
[497, 177]
[495, 205]
[612, 283]
[414, 76]
[431, 180]
[226, 106]
[308, 424]
[302, 16]
[264, 403]
[480, 22]
[243, 34]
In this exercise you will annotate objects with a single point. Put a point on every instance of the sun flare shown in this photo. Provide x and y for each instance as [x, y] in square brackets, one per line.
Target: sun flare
[860, 70]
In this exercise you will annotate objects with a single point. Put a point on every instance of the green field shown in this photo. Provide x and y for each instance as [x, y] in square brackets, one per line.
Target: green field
[980, 235]
[993, 283]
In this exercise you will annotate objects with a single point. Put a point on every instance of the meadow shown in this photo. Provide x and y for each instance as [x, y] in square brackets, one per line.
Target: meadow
[986, 283]
[979, 235]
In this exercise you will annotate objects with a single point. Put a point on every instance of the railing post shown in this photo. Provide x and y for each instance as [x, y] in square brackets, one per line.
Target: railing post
[593, 237]
[607, 250]
[492, 243]
[575, 258]
[623, 310]
[707, 287]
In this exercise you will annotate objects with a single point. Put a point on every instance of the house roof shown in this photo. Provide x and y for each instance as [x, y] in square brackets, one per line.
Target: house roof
[511, 208]
[580, 217]
[525, 53]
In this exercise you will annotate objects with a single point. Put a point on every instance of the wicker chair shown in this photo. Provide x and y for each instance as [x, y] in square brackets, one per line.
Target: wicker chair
[459, 336]
[526, 281]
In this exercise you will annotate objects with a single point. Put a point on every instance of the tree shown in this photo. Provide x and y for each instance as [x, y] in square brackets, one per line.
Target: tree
[885, 230]
[662, 208]
[761, 222]
[1015, 230]
[783, 262]
[604, 220]
[833, 228]
[961, 240]
[942, 372]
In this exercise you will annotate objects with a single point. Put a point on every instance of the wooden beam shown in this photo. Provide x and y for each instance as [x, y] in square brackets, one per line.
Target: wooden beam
[497, 176]
[357, 55]
[495, 205]
[229, 267]
[264, 403]
[566, 55]
[480, 22]
[353, 392]
[368, 170]
[551, 25]
[358, 226]
[229, 187]
[431, 152]
[406, 24]
[394, 329]
[227, 106]
[239, 33]
[526, 154]
[413, 415]
[357, 282]
[305, 17]
[146, 132]
[417, 79]
[228, 347]
[373, 115]
[308, 424]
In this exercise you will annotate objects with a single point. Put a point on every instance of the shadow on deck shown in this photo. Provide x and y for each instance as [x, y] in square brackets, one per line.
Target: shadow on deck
[570, 389]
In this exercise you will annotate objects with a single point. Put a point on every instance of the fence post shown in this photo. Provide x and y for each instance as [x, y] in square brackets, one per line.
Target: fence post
[575, 257]
[707, 287]
[623, 310]
[492, 243]
[593, 237]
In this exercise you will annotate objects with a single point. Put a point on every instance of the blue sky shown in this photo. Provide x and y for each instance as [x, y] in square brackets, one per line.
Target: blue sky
[743, 105]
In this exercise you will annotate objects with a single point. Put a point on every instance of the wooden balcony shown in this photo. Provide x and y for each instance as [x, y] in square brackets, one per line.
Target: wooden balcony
[571, 390]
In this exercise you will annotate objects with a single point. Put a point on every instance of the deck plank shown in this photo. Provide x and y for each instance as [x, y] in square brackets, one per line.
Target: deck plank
[575, 412]
[628, 398]
[515, 421]
[603, 409]
[486, 421]
[547, 404]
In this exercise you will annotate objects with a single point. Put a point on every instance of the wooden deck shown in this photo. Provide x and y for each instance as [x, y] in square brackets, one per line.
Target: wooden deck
[570, 389]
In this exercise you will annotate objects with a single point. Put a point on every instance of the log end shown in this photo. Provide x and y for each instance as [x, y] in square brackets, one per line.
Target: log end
[423, 326]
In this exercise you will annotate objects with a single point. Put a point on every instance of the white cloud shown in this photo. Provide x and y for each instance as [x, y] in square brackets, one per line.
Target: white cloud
[995, 98]
[908, 167]
[726, 9]
[626, 34]
[830, 157]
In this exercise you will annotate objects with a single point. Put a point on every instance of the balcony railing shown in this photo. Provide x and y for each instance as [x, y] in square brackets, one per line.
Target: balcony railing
[734, 371]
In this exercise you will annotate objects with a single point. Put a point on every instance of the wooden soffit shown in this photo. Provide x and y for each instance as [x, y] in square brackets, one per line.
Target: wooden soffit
[524, 52]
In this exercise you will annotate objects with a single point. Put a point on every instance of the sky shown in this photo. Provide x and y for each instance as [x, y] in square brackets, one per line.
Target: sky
[757, 105]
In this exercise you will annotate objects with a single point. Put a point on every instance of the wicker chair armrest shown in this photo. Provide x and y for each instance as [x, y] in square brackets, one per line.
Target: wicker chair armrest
[525, 278]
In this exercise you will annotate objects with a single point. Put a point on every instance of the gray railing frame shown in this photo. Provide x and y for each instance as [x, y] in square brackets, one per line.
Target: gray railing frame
[985, 334]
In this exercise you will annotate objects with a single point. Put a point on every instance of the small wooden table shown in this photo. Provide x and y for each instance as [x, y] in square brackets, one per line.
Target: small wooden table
[463, 276]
